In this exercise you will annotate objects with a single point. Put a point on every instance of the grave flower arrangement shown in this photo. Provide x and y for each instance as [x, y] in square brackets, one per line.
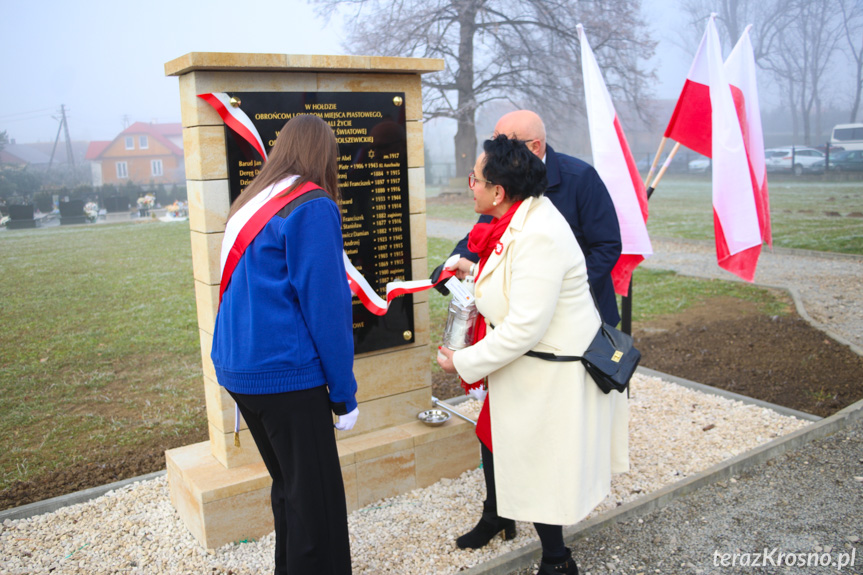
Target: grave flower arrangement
[146, 202]
[177, 209]
[91, 210]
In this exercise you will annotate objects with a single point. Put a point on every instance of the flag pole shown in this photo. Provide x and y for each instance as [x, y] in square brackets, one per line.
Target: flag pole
[626, 301]
[663, 170]
[655, 161]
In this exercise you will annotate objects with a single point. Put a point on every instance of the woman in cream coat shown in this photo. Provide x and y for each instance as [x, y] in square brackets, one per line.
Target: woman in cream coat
[556, 437]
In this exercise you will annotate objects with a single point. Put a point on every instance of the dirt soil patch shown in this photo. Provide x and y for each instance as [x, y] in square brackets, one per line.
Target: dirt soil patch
[723, 342]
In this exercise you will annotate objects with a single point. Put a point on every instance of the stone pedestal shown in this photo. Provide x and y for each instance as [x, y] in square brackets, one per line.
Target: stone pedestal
[222, 491]
[221, 506]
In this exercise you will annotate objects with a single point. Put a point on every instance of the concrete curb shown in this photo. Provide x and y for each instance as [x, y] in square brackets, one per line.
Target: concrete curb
[801, 311]
[531, 553]
[55, 503]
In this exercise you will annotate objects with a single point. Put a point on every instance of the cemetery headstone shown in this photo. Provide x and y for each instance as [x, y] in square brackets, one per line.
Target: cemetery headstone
[21, 216]
[72, 212]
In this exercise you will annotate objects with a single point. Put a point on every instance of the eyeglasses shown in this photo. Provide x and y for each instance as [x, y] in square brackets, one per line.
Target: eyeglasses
[472, 180]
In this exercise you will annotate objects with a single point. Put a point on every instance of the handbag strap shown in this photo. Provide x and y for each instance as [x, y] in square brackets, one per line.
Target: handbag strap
[544, 355]
[551, 357]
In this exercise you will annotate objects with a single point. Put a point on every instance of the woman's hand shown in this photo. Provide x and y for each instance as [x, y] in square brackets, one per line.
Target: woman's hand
[444, 359]
[464, 267]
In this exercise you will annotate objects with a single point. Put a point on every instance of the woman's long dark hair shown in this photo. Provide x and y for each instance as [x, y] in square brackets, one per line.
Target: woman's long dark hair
[305, 147]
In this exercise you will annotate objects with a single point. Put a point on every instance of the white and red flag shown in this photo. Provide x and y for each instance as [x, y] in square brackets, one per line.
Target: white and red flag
[740, 67]
[615, 165]
[705, 120]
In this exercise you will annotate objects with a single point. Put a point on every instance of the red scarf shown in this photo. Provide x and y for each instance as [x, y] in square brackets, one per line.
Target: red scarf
[483, 240]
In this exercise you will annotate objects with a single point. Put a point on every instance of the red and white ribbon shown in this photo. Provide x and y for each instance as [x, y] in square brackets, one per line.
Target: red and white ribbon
[236, 119]
[374, 303]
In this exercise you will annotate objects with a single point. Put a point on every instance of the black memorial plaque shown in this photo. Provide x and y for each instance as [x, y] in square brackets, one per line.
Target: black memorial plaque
[370, 130]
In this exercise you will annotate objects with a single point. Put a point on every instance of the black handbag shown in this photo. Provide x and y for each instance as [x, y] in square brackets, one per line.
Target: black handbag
[610, 359]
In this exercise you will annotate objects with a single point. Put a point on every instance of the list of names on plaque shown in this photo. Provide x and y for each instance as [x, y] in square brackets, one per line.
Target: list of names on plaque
[370, 131]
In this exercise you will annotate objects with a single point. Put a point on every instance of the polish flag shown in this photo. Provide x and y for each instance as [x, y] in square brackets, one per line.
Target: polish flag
[615, 165]
[705, 120]
[740, 67]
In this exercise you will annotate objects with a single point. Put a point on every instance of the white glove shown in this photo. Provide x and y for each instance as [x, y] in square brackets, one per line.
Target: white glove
[346, 422]
[478, 393]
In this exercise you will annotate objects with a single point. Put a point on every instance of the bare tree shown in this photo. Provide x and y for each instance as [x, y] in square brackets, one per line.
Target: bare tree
[852, 28]
[768, 18]
[802, 56]
[516, 50]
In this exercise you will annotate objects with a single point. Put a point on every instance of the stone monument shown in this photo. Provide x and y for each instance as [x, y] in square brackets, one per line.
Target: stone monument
[374, 105]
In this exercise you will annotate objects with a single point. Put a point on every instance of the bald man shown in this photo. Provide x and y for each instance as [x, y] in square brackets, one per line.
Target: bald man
[577, 191]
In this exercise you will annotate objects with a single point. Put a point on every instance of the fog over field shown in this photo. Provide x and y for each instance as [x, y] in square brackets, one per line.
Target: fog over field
[106, 64]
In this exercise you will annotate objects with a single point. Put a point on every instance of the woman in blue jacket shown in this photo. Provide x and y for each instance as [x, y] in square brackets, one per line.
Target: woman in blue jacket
[283, 342]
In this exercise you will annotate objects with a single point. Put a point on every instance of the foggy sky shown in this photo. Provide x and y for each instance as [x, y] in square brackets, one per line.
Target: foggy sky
[105, 60]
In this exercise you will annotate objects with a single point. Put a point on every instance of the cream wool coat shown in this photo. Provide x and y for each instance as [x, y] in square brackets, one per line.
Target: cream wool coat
[556, 437]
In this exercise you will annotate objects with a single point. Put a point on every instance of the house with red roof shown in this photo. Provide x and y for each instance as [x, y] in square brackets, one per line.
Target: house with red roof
[145, 154]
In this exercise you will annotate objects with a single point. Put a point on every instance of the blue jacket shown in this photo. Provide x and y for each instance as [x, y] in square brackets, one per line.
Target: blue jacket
[577, 191]
[285, 321]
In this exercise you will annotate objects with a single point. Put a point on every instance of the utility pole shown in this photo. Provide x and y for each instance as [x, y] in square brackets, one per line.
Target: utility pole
[64, 126]
[70, 157]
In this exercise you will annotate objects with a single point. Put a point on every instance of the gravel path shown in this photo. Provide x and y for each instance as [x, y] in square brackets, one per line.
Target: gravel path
[801, 513]
[675, 433]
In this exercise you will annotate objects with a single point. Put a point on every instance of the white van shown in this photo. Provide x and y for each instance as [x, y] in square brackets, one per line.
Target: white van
[849, 136]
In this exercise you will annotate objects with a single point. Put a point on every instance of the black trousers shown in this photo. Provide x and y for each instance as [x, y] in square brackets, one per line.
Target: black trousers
[550, 536]
[294, 434]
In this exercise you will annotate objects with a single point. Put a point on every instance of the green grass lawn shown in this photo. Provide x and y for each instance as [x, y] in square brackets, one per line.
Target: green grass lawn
[98, 346]
[806, 214]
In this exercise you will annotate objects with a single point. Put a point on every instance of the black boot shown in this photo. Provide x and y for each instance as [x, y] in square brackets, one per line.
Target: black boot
[567, 567]
[490, 524]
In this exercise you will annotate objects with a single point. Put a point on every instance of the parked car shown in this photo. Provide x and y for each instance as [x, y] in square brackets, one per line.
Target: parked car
[806, 160]
[699, 166]
[847, 161]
